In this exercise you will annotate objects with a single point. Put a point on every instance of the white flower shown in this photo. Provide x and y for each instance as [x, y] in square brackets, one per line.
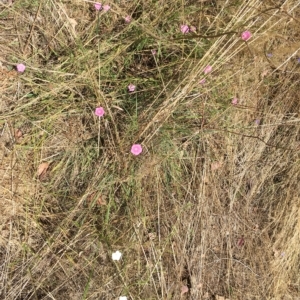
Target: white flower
[123, 298]
[116, 256]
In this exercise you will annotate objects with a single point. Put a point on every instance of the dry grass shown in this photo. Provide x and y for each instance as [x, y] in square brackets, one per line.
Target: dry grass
[213, 201]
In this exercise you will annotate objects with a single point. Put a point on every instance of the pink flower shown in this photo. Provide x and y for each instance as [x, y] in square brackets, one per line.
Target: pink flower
[98, 6]
[234, 101]
[153, 51]
[193, 29]
[131, 87]
[99, 111]
[106, 7]
[246, 35]
[202, 81]
[127, 19]
[207, 69]
[136, 149]
[21, 68]
[184, 29]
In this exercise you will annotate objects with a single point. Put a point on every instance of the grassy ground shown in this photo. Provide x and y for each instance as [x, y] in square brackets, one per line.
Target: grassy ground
[209, 210]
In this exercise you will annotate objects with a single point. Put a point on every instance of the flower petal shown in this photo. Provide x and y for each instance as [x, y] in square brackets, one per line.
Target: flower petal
[116, 255]
[246, 35]
[136, 149]
[99, 111]
[21, 68]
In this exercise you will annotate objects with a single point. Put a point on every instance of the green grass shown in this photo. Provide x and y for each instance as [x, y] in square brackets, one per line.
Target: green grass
[208, 176]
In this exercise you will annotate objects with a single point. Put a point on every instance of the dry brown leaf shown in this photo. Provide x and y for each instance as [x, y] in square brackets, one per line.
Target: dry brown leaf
[18, 133]
[184, 289]
[90, 197]
[265, 73]
[73, 24]
[7, 2]
[216, 165]
[117, 107]
[101, 201]
[200, 285]
[42, 169]
[241, 242]
[221, 298]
